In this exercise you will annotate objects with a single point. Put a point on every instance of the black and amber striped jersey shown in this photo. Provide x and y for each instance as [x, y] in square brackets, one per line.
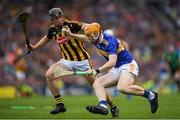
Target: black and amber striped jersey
[72, 49]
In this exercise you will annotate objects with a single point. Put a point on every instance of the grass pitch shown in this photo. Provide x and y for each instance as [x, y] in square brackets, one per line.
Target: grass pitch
[137, 107]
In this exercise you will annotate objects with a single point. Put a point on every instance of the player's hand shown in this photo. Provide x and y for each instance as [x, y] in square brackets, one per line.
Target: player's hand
[66, 30]
[30, 47]
[92, 72]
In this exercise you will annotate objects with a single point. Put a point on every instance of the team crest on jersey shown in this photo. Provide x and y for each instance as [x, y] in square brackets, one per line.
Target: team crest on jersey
[105, 42]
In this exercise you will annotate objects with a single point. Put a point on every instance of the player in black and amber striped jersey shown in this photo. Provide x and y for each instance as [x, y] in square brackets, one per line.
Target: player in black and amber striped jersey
[74, 56]
[71, 49]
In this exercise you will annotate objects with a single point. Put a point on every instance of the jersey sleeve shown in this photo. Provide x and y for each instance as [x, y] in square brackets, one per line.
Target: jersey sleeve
[76, 26]
[50, 33]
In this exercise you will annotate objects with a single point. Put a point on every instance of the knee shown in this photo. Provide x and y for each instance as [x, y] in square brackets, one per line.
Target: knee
[122, 88]
[49, 75]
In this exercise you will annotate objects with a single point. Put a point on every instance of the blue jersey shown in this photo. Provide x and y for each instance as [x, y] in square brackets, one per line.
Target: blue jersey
[112, 45]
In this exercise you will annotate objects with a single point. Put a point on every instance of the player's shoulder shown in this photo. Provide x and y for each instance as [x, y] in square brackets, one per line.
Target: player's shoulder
[106, 35]
[75, 26]
[109, 38]
[52, 31]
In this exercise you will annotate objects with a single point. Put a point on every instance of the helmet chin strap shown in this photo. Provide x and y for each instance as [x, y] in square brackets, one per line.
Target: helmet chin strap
[98, 39]
[101, 38]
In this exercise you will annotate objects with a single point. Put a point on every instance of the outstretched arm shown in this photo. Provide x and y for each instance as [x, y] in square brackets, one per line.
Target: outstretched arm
[43, 41]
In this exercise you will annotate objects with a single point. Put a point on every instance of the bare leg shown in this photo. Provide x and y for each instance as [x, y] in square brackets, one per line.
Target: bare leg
[50, 74]
[100, 83]
[99, 87]
[125, 84]
[104, 93]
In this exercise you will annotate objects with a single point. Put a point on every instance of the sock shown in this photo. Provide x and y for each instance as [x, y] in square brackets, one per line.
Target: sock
[103, 103]
[146, 93]
[58, 99]
[112, 105]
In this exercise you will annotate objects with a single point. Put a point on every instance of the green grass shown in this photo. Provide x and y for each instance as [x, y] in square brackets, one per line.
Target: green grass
[138, 107]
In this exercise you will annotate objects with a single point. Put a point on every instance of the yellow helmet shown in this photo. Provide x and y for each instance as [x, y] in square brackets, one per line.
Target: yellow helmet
[93, 29]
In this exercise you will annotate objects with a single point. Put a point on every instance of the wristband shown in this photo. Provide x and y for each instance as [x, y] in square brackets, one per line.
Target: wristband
[97, 70]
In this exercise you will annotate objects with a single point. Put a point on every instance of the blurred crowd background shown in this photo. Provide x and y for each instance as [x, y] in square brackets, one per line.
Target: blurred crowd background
[150, 27]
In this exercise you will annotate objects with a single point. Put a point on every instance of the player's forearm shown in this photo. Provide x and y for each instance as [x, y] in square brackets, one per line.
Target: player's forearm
[111, 63]
[79, 37]
[107, 66]
[43, 41]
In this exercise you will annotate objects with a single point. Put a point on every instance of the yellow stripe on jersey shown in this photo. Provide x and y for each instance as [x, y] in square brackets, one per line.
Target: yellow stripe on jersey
[103, 53]
[62, 53]
[67, 57]
[78, 49]
[82, 48]
[120, 48]
[57, 35]
[70, 49]
[71, 52]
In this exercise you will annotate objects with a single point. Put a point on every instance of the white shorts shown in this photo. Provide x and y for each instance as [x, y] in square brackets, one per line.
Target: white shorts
[76, 65]
[130, 67]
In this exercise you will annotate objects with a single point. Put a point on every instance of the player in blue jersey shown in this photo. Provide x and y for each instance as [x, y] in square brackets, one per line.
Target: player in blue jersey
[121, 66]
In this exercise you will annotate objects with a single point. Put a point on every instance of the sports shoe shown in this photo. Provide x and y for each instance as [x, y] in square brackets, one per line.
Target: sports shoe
[97, 110]
[154, 103]
[58, 109]
[115, 112]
